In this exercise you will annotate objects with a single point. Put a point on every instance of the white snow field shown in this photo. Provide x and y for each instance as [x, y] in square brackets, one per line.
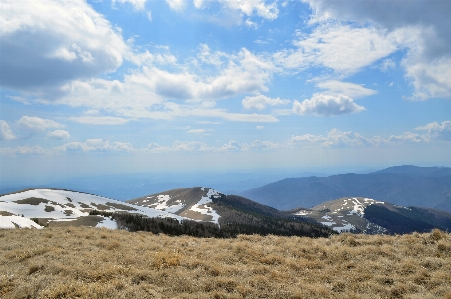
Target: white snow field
[63, 205]
[203, 207]
[162, 204]
[17, 221]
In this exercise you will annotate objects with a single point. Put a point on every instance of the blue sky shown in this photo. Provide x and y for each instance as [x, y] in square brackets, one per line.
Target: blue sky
[124, 86]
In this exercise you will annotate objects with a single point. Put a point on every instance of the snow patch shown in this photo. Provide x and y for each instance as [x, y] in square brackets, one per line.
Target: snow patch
[328, 223]
[346, 227]
[302, 213]
[9, 221]
[203, 205]
[107, 223]
[162, 204]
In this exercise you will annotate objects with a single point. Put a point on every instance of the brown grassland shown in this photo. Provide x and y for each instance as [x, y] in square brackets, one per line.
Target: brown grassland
[82, 262]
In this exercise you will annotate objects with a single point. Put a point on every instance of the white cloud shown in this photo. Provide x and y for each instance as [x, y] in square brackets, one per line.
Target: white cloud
[260, 102]
[59, 135]
[93, 145]
[343, 49]
[430, 79]
[422, 27]
[207, 122]
[233, 12]
[387, 64]
[392, 14]
[65, 40]
[197, 131]
[306, 138]
[251, 7]
[99, 120]
[408, 137]
[91, 112]
[262, 118]
[206, 56]
[149, 15]
[326, 105]
[334, 87]
[438, 131]
[251, 24]
[137, 4]
[37, 124]
[19, 99]
[199, 4]
[149, 91]
[336, 138]
[261, 145]
[260, 127]
[23, 150]
[176, 5]
[5, 131]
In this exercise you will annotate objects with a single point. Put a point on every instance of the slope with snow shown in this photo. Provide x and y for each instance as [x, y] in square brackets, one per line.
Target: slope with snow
[62, 205]
[344, 214]
[193, 203]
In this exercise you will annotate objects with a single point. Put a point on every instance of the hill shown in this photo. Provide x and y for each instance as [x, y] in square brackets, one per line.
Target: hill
[234, 214]
[368, 216]
[404, 186]
[57, 207]
[412, 170]
[201, 212]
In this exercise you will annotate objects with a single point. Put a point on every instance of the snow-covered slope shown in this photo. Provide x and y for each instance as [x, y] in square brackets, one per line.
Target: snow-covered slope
[17, 222]
[193, 203]
[53, 205]
[344, 214]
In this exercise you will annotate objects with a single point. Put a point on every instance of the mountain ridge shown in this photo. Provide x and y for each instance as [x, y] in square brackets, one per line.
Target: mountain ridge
[429, 187]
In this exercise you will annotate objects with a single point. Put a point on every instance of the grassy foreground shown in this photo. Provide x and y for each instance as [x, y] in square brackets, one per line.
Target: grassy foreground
[99, 263]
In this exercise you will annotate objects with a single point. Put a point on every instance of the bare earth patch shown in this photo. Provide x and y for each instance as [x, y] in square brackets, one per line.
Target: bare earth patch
[32, 201]
[86, 262]
[120, 206]
[90, 220]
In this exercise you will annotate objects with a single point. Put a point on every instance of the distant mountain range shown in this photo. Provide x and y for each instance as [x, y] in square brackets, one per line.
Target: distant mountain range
[428, 187]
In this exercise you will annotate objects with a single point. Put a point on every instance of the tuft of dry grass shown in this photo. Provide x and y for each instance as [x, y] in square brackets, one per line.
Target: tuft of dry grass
[83, 262]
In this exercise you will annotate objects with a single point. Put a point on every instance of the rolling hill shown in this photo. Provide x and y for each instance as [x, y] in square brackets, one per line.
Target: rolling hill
[193, 211]
[56, 207]
[428, 187]
[232, 213]
[208, 213]
[368, 216]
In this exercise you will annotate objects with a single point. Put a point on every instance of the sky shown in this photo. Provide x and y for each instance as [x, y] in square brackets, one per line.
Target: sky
[128, 86]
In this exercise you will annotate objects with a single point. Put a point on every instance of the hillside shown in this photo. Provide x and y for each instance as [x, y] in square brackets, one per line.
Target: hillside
[234, 214]
[368, 216]
[201, 212]
[404, 186]
[56, 207]
[100, 263]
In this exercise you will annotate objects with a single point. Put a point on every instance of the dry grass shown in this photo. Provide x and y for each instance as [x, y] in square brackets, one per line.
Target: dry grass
[99, 263]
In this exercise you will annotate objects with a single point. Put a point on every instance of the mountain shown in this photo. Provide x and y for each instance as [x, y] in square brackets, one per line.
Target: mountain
[405, 186]
[364, 215]
[412, 170]
[132, 185]
[232, 213]
[202, 212]
[56, 207]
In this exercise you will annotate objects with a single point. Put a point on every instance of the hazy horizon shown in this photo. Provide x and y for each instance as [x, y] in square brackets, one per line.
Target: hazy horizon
[91, 88]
